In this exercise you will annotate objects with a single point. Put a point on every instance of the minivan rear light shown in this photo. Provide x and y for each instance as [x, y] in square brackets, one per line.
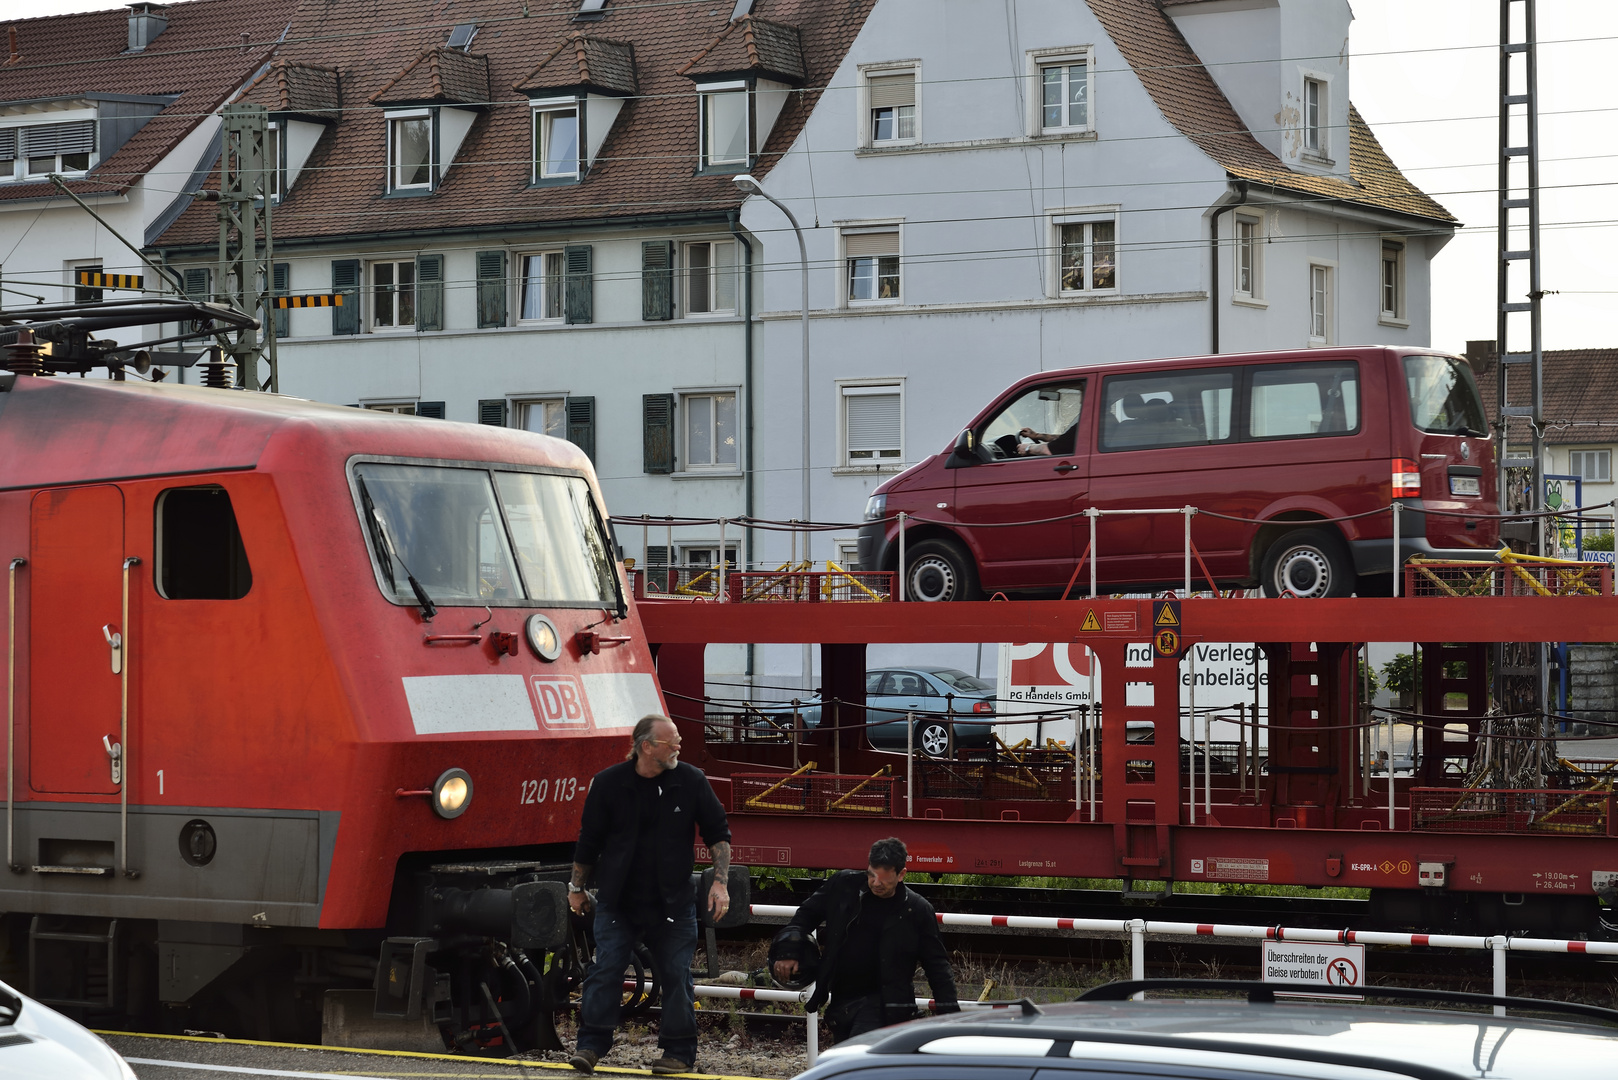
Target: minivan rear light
[1406, 479]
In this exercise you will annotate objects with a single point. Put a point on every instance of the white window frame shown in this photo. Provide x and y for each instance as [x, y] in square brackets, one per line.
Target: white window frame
[1038, 61]
[706, 160]
[1252, 249]
[522, 287]
[1329, 315]
[1399, 315]
[72, 268]
[19, 165]
[517, 407]
[542, 111]
[395, 116]
[1599, 454]
[845, 229]
[848, 552]
[710, 548]
[683, 398]
[684, 277]
[847, 388]
[865, 133]
[401, 406]
[371, 325]
[1320, 130]
[1084, 215]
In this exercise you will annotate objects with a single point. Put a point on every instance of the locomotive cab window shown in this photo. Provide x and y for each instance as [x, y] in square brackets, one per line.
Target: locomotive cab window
[199, 546]
[470, 536]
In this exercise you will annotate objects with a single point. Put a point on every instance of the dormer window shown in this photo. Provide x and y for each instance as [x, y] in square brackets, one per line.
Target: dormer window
[410, 151]
[556, 139]
[1314, 107]
[274, 159]
[38, 150]
[724, 126]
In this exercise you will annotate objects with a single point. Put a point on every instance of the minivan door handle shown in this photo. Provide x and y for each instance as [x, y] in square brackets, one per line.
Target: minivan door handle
[1066, 467]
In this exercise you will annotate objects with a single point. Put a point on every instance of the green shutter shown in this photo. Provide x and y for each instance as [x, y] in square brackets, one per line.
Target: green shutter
[429, 292]
[196, 290]
[281, 285]
[657, 425]
[433, 410]
[492, 411]
[345, 282]
[578, 291]
[491, 288]
[657, 280]
[581, 422]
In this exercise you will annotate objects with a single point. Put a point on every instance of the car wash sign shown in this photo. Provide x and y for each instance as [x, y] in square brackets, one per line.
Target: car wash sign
[1054, 676]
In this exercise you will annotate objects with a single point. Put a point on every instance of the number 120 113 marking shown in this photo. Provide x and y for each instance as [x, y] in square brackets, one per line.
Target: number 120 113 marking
[537, 791]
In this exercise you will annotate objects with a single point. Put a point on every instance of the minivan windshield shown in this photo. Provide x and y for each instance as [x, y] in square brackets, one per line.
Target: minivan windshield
[1443, 396]
[454, 529]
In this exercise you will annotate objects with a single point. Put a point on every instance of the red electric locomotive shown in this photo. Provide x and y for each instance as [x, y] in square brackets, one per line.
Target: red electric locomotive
[291, 686]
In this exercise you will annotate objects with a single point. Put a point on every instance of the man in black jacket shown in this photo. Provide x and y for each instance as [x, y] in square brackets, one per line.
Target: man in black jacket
[876, 931]
[637, 839]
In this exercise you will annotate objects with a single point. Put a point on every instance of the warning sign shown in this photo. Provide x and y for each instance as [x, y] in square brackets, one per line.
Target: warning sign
[1167, 643]
[1090, 621]
[1166, 613]
[1309, 962]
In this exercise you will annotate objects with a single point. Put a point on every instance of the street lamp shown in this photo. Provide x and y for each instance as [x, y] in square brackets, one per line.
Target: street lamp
[749, 186]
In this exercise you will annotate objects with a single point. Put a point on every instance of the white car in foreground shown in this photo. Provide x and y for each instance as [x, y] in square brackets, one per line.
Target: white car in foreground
[39, 1043]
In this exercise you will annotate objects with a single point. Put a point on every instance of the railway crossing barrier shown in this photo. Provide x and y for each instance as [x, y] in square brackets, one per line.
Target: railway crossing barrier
[1138, 930]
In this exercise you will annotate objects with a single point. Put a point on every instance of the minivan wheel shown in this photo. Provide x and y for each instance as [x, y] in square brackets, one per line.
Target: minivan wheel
[1308, 563]
[933, 738]
[938, 570]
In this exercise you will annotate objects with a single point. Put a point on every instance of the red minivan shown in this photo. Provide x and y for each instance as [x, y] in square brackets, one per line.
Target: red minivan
[1279, 443]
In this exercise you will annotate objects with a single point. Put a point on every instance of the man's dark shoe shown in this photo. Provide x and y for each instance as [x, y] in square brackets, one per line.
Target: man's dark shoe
[584, 1061]
[667, 1066]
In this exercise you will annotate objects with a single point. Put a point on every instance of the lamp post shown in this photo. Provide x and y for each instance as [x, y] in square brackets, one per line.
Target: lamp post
[750, 186]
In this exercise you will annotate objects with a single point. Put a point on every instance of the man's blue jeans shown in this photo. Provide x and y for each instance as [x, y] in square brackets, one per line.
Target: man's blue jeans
[671, 942]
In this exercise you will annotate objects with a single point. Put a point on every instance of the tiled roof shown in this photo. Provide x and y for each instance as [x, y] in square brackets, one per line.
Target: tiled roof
[210, 49]
[1579, 387]
[297, 88]
[1189, 99]
[583, 61]
[647, 167]
[440, 76]
[751, 45]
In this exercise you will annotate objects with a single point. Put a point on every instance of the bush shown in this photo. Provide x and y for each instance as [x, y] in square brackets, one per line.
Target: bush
[1401, 674]
[1598, 541]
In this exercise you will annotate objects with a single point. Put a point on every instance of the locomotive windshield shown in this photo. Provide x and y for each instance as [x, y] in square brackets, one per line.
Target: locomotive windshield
[476, 536]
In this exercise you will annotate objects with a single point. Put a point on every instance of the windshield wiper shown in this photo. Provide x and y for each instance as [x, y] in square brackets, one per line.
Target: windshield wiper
[388, 554]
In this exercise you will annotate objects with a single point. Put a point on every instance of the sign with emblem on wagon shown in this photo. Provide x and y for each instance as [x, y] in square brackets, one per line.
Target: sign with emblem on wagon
[1314, 962]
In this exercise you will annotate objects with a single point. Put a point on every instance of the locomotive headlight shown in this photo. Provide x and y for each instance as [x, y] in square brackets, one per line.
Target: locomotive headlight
[543, 638]
[452, 793]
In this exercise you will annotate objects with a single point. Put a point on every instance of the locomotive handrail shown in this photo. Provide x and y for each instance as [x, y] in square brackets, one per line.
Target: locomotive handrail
[123, 729]
[11, 719]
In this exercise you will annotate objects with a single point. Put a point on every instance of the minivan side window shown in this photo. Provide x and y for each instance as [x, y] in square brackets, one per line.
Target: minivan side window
[1289, 401]
[1051, 412]
[1170, 408]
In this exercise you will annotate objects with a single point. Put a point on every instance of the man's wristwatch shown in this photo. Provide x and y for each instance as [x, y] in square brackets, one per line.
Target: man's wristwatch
[572, 888]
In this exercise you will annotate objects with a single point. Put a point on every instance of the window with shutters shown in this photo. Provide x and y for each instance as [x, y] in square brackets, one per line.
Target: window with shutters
[543, 273]
[85, 294]
[281, 285]
[656, 280]
[872, 259]
[889, 113]
[710, 433]
[872, 423]
[725, 126]
[542, 416]
[1086, 250]
[491, 288]
[393, 295]
[556, 140]
[710, 278]
[410, 151]
[198, 282]
[657, 433]
[35, 151]
[578, 285]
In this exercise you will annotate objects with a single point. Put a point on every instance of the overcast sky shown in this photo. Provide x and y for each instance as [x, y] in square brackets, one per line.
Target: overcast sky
[1425, 76]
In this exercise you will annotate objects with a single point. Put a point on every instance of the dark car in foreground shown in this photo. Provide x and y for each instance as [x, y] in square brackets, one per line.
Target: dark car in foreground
[931, 694]
[1256, 1035]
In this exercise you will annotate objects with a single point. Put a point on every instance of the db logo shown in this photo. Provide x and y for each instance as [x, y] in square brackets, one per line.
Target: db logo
[561, 701]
